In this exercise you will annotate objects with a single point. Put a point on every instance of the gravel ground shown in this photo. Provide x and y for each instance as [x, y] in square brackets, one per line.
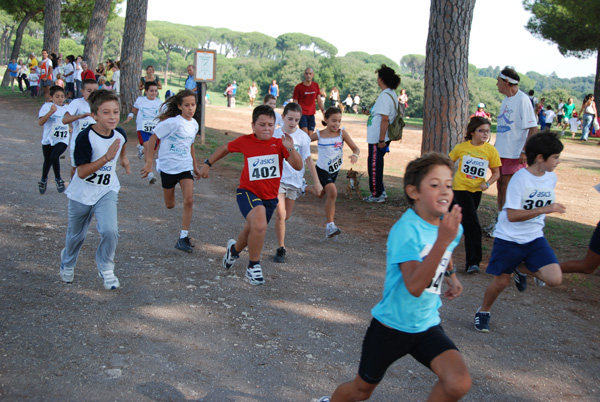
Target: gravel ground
[181, 328]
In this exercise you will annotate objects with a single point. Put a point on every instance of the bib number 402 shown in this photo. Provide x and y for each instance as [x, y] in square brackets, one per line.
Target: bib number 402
[265, 172]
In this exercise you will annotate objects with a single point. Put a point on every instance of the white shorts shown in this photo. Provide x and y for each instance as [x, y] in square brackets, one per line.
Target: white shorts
[291, 192]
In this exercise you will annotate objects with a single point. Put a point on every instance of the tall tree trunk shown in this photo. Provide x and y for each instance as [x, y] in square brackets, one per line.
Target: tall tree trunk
[18, 39]
[167, 66]
[132, 52]
[446, 102]
[52, 26]
[95, 33]
[3, 44]
[597, 80]
[7, 44]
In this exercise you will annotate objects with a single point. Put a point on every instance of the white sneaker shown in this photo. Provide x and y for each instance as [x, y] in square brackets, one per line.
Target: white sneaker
[151, 178]
[66, 274]
[331, 231]
[378, 200]
[229, 259]
[254, 275]
[111, 282]
[384, 194]
[140, 149]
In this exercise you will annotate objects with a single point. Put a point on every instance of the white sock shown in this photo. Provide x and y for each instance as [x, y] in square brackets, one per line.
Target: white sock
[330, 224]
[150, 175]
[184, 234]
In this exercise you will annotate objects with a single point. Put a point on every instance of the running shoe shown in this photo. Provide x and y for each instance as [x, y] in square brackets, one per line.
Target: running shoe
[280, 256]
[111, 282]
[60, 185]
[482, 321]
[331, 231]
[184, 244]
[140, 149]
[66, 274]
[473, 269]
[520, 281]
[372, 198]
[42, 186]
[324, 399]
[538, 282]
[229, 259]
[254, 275]
[151, 178]
[384, 194]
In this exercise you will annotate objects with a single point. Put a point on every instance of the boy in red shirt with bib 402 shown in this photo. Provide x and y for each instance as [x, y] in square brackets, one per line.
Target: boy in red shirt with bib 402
[259, 185]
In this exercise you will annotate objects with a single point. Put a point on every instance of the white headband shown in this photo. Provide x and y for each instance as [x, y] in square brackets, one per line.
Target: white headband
[511, 80]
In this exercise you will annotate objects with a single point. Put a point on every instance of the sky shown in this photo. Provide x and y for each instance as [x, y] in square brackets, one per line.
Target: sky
[498, 36]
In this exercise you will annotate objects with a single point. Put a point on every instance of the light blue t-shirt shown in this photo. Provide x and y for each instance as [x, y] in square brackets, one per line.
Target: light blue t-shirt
[410, 239]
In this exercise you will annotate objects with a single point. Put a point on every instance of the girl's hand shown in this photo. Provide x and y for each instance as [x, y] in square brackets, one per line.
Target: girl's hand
[483, 186]
[287, 140]
[203, 174]
[112, 150]
[448, 228]
[455, 288]
[353, 159]
[52, 108]
[196, 173]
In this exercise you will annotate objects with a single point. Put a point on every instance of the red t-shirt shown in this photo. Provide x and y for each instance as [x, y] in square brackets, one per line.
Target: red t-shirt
[88, 74]
[307, 95]
[263, 164]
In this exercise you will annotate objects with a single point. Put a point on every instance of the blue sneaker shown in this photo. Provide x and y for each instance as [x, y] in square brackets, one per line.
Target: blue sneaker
[482, 321]
[520, 281]
[473, 269]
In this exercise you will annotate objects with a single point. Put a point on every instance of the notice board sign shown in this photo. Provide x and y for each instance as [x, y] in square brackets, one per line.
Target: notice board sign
[206, 65]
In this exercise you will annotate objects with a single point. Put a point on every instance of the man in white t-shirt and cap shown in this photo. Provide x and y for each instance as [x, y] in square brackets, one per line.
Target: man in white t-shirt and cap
[516, 123]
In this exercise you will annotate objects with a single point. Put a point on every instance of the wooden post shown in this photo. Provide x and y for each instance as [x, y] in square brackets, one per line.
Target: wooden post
[205, 67]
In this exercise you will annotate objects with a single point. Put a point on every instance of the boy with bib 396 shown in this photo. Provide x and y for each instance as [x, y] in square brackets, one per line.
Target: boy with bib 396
[259, 185]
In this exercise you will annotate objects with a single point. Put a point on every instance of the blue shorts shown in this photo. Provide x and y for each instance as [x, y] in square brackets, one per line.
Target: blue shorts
[247, 201]
[595, 241]
[507, 255]
[143, 136]
[325, 177]
[308, 122]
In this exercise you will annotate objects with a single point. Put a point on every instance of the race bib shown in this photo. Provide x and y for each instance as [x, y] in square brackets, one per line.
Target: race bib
[263, 167]
[335, 164]
[435, 286]
[148, 125]
[474, 168]
[537, 198]
[102, 176]
[60, 131]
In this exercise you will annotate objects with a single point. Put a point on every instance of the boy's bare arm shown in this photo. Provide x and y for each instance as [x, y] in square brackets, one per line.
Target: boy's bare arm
[149, 156]
[417, 275]
[68, 118]
[521, 215]
[124, 159]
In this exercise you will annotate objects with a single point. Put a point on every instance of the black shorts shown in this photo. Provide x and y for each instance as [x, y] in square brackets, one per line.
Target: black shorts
[325, 177]
[69, 87]
[170, 180]
[308, 122]
[595, 241]
[383, 345]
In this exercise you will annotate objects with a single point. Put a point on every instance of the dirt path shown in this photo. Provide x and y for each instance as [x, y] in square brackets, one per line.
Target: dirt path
[181, 328]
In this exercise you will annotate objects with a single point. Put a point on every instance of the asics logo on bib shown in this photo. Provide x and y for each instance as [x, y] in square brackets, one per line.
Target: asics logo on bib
[105, 168]
[475, 162]
[540, 194]
[263, 162]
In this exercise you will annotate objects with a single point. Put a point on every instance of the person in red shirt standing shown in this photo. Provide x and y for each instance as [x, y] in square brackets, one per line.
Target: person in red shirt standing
[86, 73]
[305, 95]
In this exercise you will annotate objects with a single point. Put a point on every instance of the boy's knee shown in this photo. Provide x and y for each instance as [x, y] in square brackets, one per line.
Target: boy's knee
[458, 386]
[170, 204]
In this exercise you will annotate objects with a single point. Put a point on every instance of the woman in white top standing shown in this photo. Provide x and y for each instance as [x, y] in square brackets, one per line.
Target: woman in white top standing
[588, 113]
[382, 113]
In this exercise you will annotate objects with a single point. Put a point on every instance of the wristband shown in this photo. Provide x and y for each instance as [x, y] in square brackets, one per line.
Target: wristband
[355, 155]
[523, 151]
[448, 273]
[130, 115]
[206, 162]
[381, 141]
[487, 184]
[290, 149]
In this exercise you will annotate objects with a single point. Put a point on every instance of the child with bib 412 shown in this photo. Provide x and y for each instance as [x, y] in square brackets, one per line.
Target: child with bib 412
[475, 156]
[330, 142]
[419, 259]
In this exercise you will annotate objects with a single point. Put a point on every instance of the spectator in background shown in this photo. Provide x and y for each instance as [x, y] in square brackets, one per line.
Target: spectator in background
[46, 75]
[100, 70]
[150, 77]
[116, 78]
[560, 113]
[348, 102]
[233, 93]
[252, 93]
[13, 70]
[403, 99]
[228, 93]
[305, 95]
[568, 108]
[69, 76]
[86, 73]
[274, 89]
[356, 103]
[78, 76]
[32, 61]
[22, 73]
[334, 97]
[588, 113]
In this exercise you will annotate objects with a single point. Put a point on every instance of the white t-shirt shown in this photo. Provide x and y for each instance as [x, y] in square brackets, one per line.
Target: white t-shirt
[574, 123]
[550, 115]
[515, 119]
[385, 105]
[148, 111]
[560, 109]
[117, 79]
[290, 175]
[176, 136]
[34, 79]
[68, 70]
[91, 146]
[79, 106]
[278, 119]
[78, 71]
[526, 191]
[54, 131]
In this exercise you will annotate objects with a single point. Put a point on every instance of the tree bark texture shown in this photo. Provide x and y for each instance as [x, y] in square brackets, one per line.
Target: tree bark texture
[52, 26]
[18, 39]
[95, 33]
[132, 52]
[597, 80]
[446, 113]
